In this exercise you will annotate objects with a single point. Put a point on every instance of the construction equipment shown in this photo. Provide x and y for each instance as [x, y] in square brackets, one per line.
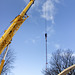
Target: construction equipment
[5, 40]
[3, 60]
[66, 71]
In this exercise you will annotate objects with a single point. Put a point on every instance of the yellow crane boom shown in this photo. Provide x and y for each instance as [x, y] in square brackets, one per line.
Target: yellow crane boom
[16, 23]
[5, 40]
[3, 60]
[67, 70]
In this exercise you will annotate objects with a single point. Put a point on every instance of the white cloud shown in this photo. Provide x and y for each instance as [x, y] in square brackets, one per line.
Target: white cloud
[26, 41]
[57, 1]
[73, 54]
[36, 3]
[50, 30]
[33, 41]
[57, 46]
[30, 40]
[49, 56]
[26, 1]
[49, 10]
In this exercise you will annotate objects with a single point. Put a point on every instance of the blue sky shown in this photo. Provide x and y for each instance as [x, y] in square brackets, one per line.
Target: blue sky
[29, 41]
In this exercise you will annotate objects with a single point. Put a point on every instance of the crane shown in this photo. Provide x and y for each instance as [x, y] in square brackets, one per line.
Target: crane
[6, 39]
[67, 70]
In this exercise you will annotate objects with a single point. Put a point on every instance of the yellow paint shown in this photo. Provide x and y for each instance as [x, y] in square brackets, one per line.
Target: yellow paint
[1, 66]
[16, 23]
[5, 40]
[67, 70]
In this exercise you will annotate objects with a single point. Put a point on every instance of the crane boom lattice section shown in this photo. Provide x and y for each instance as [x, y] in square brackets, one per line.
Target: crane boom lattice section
[5, 40]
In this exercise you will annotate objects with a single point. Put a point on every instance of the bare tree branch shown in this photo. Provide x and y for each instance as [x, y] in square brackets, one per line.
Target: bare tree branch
[61, 59]
[9, 61]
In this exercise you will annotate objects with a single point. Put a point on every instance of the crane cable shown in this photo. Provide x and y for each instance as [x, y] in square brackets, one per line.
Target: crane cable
[46, 49]
[46, 36]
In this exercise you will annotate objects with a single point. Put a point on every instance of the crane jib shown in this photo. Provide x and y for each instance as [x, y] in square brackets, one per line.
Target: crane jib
[16, 23]
[30, 6]
[28, 9]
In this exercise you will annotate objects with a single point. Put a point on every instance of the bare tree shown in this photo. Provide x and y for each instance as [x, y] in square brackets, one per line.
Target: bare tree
[9, 61]
[60, 60]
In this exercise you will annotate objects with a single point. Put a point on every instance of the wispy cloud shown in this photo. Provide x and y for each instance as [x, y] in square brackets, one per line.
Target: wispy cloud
[32, 40]
[26, 1]
[73, 54]
[34, 5]
[49, 9]
[57, 1]
[50, 30]
[49, 56]
[57, 46]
